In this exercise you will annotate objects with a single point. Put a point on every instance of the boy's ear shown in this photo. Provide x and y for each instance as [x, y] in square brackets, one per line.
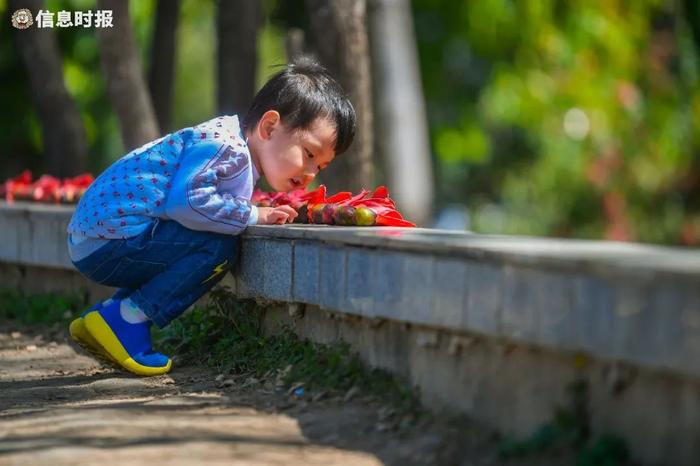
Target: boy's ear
[268, 123]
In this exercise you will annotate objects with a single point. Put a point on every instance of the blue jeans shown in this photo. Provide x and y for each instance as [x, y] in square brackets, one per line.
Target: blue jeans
[164, 269]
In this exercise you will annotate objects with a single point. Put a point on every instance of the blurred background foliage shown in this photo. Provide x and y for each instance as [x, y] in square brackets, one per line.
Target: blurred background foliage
[194, 94]
[547, 117]
[568, 118]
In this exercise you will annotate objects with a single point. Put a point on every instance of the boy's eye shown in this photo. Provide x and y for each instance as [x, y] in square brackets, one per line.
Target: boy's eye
[309, 154]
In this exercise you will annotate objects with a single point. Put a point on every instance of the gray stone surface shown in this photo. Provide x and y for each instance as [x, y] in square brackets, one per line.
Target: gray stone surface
[332, 279]
[306, 272]
[359, 292]
[12, 226]
[266, 269]
[628, 302]
[521, 296]
[483, 303]
[636, 327]
[387, 285]
[670, 336]
[35, 235]
[33, 279]
[449, 293]
[418, 289]
[687, 329]
[551, 295]
[594, 302]
[600, 257]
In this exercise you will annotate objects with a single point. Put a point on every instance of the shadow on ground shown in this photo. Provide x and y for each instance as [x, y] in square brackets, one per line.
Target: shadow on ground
[59, 406]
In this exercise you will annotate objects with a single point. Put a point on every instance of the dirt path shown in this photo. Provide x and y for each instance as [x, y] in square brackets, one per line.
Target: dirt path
[58, 406]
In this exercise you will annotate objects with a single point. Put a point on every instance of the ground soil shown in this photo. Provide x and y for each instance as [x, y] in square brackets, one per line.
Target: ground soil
[59, 406]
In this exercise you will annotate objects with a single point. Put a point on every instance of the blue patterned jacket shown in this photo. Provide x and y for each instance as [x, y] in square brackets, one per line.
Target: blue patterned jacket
[201, 177]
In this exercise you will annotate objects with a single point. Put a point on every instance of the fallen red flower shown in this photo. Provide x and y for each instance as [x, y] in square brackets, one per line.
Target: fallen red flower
[364, 209]
[46, 189]
[18, 187]
[295, 198]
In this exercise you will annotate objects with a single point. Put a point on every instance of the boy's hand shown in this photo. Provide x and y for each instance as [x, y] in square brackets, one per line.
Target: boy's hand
[276, 215]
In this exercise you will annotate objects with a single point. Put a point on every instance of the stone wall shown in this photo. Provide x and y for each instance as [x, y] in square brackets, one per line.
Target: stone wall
[495, 326]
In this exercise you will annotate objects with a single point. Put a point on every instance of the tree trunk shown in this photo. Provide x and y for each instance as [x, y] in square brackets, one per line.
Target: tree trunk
[62, 129]
[162, 66]
[401, 120]
[340, 30]
[238, 22]
[125, 80]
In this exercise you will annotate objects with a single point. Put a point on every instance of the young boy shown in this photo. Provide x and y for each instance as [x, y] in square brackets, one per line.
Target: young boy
[162, 223]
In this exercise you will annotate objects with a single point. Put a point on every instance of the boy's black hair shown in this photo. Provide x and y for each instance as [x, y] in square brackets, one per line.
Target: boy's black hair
[301, 93]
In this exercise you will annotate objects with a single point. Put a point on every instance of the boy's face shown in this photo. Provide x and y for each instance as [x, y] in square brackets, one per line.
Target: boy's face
[291, 159]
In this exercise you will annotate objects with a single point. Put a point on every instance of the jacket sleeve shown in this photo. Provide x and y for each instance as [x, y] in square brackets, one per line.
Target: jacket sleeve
[209, 190]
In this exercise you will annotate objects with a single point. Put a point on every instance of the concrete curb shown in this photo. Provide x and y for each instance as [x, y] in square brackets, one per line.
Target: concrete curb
[631, 302]
[495, 326]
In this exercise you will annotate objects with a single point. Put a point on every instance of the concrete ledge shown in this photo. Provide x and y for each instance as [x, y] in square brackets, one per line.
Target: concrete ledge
[584, 300]
[34, 234]
[619, 301]
[624, 308]
[557, 254]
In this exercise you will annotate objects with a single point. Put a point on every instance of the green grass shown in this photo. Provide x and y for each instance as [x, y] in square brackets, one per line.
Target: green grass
[42, 308]
[228, 336]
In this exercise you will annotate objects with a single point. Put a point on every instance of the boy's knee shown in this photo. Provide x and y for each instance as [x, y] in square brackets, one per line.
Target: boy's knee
[228, 249]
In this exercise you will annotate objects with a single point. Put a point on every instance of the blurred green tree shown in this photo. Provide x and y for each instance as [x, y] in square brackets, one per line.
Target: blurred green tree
[190, 86]
[238, 23]
[126, 85]
[63, 134]
[575, 118]
[161, 72]
[340, 42]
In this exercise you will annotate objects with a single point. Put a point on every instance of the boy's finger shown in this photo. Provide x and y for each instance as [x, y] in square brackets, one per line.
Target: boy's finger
[289, 210]
[281, 217]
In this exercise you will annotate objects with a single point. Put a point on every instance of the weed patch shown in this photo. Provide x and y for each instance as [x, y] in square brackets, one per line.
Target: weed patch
[228, 335]
[42, 308]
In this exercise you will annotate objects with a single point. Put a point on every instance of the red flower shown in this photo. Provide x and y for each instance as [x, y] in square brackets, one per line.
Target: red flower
[364, 209]
[18, 187]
